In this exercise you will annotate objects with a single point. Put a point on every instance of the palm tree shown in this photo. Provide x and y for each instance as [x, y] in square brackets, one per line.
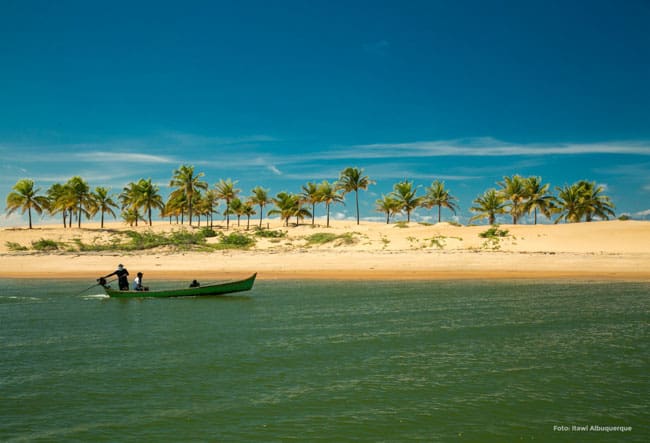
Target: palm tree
[538, 197]
[352, 179]
[488, 205]
[103, 203]
[82, 196]
[286, 206]
[570, 200]
[583, 199]
[58, 200]
[147, 197]
[311, 195]
[515, 190]
[260, 196]
[248, 211]
[176, 205]
[404, 193]
[131, 216]
[211, 202]
[328, 195]
[189, 183]
[129, 200]
[594, 203]
[389, 206]
[226, 191]
[438, 196]
[25, 197]
[236, 208]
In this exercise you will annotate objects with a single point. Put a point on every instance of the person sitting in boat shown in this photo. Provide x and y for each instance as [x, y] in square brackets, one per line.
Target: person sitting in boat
[122, 277]
[195, 284]
[137, 282]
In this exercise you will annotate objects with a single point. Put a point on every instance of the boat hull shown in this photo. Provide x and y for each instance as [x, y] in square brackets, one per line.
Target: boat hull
[201, 291]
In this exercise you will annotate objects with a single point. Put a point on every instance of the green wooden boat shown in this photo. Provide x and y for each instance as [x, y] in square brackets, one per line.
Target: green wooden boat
[201, 291]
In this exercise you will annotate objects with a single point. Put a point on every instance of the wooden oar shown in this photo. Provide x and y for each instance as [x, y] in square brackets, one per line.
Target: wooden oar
[90, 287]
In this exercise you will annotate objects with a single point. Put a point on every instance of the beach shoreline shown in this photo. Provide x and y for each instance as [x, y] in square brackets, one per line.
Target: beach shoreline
[597, 251]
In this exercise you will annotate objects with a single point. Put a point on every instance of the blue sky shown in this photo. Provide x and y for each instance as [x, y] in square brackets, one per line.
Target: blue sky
[281, 93]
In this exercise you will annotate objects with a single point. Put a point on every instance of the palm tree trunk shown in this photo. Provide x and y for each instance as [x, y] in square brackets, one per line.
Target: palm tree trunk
[228, 215]
[261, 215]
[29, 213]
[102, 225]
[439, 207]
[313, 213]
[356, 198]
[248, 223]
[79, 213]
[149, 216]
[535, 215]
[328, 214]
[387, 217]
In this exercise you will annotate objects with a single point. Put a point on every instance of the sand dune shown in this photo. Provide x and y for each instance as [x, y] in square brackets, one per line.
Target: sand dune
[596, 250]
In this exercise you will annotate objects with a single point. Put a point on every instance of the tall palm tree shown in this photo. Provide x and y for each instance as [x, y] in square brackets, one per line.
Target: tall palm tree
[226, 191]
[389, 206]
[352, 179]
[25, 197]
[329, 194]
[311, 195]
[148, 197]
[260, 197]
[437, 195]
[594, 203]
[514, 189]
[103, 203]
[186, 180]
[404, 193]
[82, 197]
[538, 197]
[488, 205]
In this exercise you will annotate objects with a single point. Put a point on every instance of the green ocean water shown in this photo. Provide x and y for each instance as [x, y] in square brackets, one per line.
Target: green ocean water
[327, 361]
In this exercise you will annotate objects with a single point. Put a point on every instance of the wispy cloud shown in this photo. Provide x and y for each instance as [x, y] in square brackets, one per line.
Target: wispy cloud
[485, 146]
[132, 157]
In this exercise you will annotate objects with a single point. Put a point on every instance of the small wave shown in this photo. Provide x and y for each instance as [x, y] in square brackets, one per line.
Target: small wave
[17, 297]
[95, 296]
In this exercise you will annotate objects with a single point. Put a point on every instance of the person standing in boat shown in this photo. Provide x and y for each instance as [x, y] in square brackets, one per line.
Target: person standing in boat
[122, 277]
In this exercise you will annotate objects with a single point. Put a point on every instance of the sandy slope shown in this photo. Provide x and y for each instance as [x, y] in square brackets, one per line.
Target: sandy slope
[597, 250]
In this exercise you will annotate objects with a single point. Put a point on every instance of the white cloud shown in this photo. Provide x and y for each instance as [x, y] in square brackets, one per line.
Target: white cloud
[485, 146]
[129, 157]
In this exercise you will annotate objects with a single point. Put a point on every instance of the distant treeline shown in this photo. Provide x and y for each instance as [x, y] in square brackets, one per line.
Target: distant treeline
[192, 197]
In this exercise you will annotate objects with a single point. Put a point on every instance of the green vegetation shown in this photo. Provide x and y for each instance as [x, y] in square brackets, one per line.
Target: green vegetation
[321, 238]
[16, 247]
[493, 237]
[269, 233]
[235, 240]
[401, 224]
[44, 245]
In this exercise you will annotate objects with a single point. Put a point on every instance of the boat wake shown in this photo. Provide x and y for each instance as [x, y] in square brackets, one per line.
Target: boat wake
[95, 296]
